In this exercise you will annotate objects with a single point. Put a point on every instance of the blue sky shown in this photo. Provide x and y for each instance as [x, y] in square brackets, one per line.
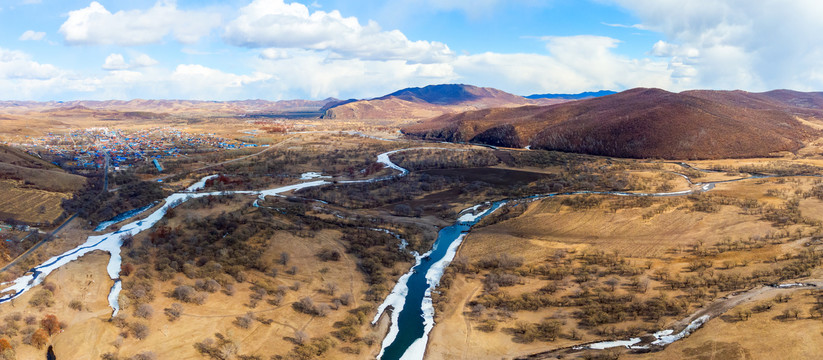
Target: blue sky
[281, 49]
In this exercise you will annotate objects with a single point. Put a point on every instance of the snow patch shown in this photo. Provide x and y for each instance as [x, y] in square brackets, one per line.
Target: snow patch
[662, 338]
[313, 175]
[665, 337]
[200, 184]
[469, 214]
[114, 297]
[793, 285]
[609, 344]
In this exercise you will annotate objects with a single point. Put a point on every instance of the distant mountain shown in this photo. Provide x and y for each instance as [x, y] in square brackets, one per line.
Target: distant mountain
[429, 101]
[452, 94]
[583, 95]
[169, 106]
[646, 123]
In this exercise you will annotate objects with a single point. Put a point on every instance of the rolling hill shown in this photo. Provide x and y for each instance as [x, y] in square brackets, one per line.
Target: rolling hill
[36, 173]
[428, 102]
[33, 189]
[645, 123]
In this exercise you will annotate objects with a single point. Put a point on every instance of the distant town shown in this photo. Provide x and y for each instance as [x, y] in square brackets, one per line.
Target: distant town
[88, 148]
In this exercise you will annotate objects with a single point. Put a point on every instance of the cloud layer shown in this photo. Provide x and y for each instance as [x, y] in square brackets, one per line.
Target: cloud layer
[279, 49]
[273, 23]
[94, 25]
[737, 44]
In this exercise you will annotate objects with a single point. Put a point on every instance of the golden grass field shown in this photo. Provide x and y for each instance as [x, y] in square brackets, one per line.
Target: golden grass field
[30, 205]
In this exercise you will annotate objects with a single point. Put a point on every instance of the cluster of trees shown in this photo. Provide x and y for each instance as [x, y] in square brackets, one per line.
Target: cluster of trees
[380, 193]
[348, 330]
[221, 349]
[376, 251]
[94, 204]
[139, 329]
[263, 171]
[33, 332]
[444, 159]
[780, 168]
[307, 306]
[144, 355]
[311, 349]
[546, 330]
[215, 248]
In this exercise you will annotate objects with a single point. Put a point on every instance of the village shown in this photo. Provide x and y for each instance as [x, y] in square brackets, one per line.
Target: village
[89, 148]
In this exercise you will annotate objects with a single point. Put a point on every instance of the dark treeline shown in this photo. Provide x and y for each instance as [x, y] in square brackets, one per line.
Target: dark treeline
[95, 204]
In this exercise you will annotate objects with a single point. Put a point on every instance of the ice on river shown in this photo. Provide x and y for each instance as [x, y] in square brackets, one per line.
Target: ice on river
[418, 348]
[313, 175]
[665, 337]
[610, 344]
[662, 338]
[471, 215]
[200, 184]
[397, 300]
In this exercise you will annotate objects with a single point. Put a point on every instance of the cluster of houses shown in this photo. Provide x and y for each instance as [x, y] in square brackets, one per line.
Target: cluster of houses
[90, 147]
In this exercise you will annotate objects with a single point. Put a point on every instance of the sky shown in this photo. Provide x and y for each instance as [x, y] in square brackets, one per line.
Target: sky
[314, 49]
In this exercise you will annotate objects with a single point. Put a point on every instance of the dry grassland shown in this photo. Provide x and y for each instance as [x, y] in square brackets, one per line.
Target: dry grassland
[30, 205]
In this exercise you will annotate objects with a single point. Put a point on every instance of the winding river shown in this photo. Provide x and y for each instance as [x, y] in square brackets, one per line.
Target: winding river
[411, 324]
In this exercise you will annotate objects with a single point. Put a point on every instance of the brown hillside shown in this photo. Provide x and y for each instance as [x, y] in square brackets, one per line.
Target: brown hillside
[644, 123]
[36, 173]
[431, 101]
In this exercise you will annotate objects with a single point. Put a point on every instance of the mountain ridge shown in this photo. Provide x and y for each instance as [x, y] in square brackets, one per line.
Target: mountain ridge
[643, 123]
[430, 101]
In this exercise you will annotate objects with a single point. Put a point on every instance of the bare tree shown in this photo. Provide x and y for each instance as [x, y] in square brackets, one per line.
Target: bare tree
[140, 330]
[144, 311]
[300, 337]
[331, 288]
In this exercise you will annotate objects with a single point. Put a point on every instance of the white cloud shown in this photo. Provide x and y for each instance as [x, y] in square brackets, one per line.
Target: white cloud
[273, 23]
[118, 62]
[633, 26]
[200, 82]
[143, 60]
[94, 25]
[115, 62]
[19, 65]
[306, 73]
[735, 44]
[274, 54]
[575, 64]
[31, 35]
[22, 78]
